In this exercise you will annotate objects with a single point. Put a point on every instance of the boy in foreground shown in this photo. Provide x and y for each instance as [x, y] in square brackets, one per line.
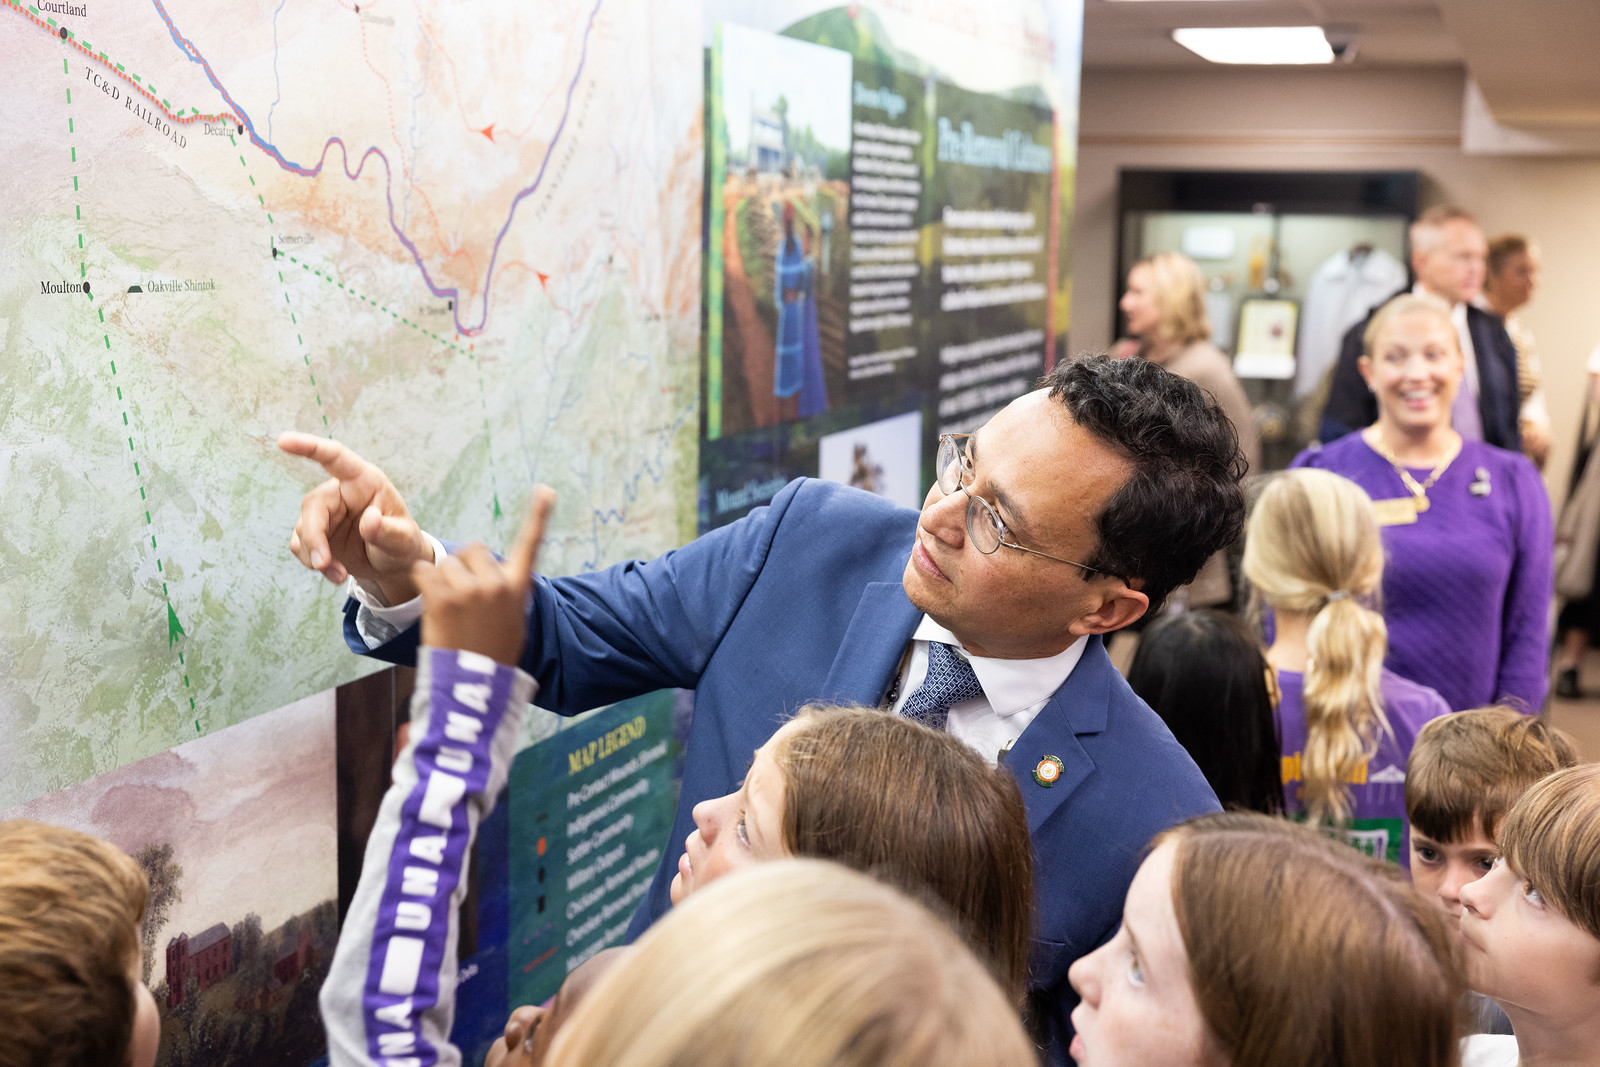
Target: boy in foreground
[1465, 772]
[70, 990]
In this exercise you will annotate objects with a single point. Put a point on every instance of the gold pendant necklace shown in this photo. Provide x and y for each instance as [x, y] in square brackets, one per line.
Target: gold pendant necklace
[1418, 490]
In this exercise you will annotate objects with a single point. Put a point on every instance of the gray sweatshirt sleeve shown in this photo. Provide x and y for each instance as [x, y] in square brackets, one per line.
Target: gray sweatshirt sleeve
[389, 999]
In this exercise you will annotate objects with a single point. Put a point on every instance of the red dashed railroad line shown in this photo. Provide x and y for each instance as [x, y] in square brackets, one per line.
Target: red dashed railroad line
[133, 81]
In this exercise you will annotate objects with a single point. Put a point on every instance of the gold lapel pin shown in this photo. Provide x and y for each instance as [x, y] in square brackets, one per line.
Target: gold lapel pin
[1048, 771]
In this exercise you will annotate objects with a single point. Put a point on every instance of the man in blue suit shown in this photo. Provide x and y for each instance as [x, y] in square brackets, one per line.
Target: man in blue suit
[1063, 518]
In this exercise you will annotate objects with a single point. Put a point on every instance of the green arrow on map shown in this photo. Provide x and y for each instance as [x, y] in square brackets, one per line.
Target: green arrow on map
[174, 627]
[497, 512]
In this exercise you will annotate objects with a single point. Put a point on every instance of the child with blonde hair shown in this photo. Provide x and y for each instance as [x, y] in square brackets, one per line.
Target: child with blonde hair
[1314, 557]
[800, 962]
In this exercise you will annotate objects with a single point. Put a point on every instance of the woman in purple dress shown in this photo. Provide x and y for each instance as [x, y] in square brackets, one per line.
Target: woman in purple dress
[1466, 526]
[1313, 556]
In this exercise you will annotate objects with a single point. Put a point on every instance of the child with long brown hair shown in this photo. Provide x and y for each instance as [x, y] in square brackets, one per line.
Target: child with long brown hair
[1249, 941]
[1313, 556]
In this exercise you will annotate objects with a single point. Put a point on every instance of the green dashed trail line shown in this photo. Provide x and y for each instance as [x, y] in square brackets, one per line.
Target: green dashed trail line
[483, 395]
[288, 304]
[115, 383]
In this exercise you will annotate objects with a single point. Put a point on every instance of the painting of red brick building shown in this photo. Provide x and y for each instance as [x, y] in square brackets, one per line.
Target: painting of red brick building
[208, 956]
[294, 958]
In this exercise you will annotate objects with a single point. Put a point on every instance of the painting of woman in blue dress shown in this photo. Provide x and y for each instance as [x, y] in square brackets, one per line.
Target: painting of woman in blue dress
[798, 357]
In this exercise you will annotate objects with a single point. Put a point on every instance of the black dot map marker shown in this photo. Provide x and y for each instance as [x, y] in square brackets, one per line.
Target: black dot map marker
[86, 287]
[63, 33]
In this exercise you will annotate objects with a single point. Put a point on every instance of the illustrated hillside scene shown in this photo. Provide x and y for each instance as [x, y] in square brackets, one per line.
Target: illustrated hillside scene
[246, 814]
[785, 247]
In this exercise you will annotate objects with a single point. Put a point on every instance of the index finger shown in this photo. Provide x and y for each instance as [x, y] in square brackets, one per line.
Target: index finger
[337, 459]
[526, 549]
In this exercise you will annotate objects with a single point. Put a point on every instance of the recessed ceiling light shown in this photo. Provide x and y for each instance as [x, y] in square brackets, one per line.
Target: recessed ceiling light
[1257, 44]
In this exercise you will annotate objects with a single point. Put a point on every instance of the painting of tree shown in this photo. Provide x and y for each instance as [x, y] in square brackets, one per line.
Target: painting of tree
[164, 875]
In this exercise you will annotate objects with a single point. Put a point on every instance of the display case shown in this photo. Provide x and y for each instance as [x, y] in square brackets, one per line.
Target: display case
[1290, 259]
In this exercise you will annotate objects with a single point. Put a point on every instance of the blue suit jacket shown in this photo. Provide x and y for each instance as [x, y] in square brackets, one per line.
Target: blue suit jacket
[801, 601]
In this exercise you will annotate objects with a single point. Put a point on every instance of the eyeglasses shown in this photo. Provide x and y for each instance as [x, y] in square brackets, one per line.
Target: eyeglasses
[953, 470]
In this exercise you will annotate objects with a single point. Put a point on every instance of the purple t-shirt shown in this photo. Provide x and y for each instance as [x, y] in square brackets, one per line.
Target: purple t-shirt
[1467, 587]
[1378, 791]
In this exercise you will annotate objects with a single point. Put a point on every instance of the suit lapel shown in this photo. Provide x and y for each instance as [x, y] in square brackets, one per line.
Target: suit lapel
[872, 647]
[1494, 378]
[1079, 707]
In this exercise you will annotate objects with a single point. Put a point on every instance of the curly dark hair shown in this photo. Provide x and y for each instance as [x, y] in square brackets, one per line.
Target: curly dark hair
[1183, 502]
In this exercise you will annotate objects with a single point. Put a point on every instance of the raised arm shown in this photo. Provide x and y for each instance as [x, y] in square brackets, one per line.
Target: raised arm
[390, 993]
[639, 626]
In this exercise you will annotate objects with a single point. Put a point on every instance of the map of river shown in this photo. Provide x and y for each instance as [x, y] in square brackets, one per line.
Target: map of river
[463, 239]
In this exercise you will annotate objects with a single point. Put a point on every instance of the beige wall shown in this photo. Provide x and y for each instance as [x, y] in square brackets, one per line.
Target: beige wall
[1343, 119]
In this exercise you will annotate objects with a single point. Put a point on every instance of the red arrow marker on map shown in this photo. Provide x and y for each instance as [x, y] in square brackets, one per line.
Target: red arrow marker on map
[543, 278]
[488, 131]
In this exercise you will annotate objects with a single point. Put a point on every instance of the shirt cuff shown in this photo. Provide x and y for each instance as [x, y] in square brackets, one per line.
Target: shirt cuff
[378, 621]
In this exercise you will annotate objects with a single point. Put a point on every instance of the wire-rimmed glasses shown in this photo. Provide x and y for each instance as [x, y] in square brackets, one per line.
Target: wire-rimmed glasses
[952, 471]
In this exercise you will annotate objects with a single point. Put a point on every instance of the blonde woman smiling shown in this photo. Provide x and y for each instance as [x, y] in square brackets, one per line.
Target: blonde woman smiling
[1466, 526]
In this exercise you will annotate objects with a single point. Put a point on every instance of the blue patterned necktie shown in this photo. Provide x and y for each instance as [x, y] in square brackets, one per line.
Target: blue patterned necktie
[949, 681]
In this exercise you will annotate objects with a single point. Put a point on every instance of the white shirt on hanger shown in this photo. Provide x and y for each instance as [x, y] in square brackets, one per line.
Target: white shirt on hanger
[1339, 295]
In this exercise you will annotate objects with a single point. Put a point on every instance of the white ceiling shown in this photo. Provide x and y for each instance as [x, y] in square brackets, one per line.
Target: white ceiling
[1535, 61]
[1134, 34]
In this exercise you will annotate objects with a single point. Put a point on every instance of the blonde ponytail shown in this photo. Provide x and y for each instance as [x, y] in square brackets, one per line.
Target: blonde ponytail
[1346, 644]
[1312, 547]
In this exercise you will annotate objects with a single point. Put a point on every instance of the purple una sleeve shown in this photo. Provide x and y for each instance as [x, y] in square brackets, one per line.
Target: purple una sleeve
[389, 999]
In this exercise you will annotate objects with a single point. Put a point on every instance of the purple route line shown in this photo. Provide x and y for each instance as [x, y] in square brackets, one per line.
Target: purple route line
[192, 53]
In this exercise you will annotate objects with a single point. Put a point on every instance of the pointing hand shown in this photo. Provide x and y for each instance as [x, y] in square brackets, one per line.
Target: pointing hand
[355, 522]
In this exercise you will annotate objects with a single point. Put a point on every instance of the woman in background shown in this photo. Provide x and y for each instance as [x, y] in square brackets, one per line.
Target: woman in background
[797, 962]
[1203, 673]
[1578, 625]
[1248, 941]
[1165, 308]
[1466, 526]
[1313, 555]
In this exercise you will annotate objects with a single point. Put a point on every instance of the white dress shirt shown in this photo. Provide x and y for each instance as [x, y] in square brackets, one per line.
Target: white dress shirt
[1469, 378]
[1014, 690]
[378, 621]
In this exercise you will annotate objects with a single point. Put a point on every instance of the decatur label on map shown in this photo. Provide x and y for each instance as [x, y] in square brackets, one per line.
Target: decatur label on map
[224, 221]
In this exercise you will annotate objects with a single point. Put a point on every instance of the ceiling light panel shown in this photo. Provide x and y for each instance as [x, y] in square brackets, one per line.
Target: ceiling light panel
[1257, 44]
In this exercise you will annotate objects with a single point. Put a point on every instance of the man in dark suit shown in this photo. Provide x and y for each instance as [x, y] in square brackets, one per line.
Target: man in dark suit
[1449, 257]
[1065, 517]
